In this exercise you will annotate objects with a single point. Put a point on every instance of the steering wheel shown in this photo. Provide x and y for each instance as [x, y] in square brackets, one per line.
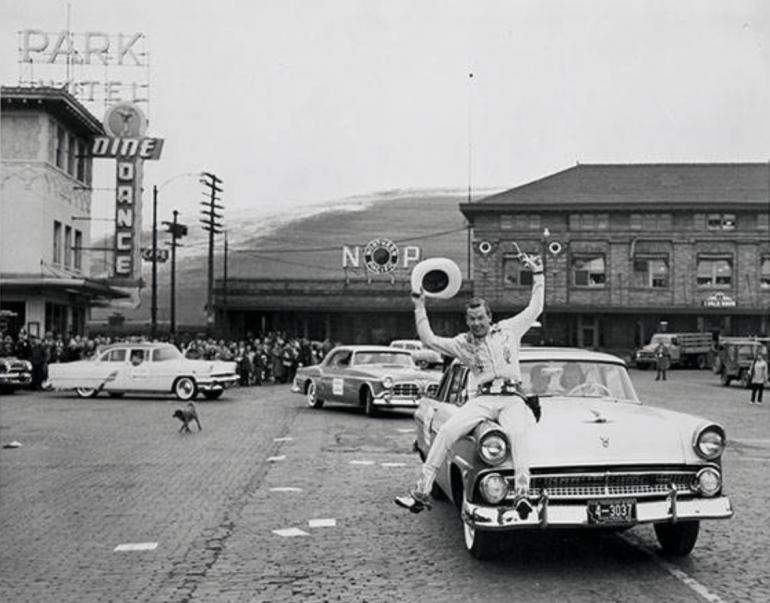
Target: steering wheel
[590, 388]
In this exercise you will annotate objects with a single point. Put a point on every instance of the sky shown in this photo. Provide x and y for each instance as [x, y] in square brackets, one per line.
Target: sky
[297, 102]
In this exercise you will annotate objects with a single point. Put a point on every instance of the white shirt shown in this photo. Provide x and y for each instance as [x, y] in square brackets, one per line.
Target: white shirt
[496, 355]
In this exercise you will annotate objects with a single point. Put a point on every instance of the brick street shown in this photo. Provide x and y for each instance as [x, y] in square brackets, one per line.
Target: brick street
[98, 473]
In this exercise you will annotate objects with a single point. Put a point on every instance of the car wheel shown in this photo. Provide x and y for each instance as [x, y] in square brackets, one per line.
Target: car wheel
[369, 408]
[185, 388]
[724, 378]
[423, 364]
[482, 544]
[86, 392]
[213, 395]
[116, 394]
[677, 538]
[313, 401]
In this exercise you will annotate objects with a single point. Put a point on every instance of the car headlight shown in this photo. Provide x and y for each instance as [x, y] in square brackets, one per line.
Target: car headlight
[493, 447]
[27, 365]
[493, 488]
[708, 481]
[709, 442]
[387, 382]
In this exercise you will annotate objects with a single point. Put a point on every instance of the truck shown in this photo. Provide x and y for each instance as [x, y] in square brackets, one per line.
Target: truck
[686, 349]
[734, 358]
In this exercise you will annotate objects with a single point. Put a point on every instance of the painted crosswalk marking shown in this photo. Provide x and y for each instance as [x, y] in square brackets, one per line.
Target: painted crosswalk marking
[287, 439]
[289, 532]
[275, 459]
[362, 462]
[322, 523]
[393, 464]
[136, 546]
[285, 489]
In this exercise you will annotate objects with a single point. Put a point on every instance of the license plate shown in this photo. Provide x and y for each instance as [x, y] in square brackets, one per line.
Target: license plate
[612, 511]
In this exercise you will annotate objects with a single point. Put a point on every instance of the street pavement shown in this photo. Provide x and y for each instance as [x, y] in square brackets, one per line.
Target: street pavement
[274, 501]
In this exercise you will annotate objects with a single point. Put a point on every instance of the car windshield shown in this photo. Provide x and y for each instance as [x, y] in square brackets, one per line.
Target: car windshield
[390, 358]
[577, 379]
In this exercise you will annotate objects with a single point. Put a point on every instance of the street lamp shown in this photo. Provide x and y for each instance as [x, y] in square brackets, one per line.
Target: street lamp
[546, 234]
[154, 287]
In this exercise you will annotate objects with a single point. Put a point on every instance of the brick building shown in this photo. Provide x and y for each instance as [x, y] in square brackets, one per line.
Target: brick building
[628, 247]
[45, 208]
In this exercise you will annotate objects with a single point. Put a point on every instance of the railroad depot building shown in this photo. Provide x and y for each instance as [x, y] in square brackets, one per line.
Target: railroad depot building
[629, 249]
[45, 206]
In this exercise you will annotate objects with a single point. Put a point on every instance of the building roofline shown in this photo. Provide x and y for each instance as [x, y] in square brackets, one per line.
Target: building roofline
[57, 101]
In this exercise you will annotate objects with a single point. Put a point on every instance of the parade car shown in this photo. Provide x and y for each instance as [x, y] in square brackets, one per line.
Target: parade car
[143, 368]
[372, 377]
[423, 357]
[14, 374]
[599, 458]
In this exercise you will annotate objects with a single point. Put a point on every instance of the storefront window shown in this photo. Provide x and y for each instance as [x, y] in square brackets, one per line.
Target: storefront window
[715, 272]
[514, 273]
[764, 272]
[651, 272]
[588, 271]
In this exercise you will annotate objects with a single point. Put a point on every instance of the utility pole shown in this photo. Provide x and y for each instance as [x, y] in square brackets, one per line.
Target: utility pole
[154, 288]
[177, 232]
[211, 221]
[224, 292]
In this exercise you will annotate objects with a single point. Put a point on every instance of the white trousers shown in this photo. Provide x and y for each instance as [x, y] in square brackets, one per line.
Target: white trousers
[514, 417]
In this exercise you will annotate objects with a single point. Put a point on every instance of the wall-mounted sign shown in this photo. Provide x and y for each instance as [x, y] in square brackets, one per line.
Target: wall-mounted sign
[380, 255]
[719, 300]
[127, 124]
[139, 148]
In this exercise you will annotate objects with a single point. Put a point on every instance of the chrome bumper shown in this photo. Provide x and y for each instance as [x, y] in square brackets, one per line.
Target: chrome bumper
[16, 379]
[215, 385]
[552, 514]
[383, 402]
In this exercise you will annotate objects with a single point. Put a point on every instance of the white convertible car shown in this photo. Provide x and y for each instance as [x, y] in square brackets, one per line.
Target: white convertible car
[598, 457]
[143, 367]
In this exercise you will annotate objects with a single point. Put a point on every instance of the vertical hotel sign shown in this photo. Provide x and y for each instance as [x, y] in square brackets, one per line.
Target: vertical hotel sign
[126, 125]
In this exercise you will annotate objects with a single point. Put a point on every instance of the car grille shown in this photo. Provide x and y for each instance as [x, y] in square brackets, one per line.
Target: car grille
[580, 486]
[16, 366]
[405, 390]
[646, 355]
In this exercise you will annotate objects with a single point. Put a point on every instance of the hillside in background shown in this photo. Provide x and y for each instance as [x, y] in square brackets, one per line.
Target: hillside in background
[301, 243]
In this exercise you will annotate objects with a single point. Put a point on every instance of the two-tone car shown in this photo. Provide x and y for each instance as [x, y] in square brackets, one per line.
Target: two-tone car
[371, 377]
[143, 368]
[599, 458]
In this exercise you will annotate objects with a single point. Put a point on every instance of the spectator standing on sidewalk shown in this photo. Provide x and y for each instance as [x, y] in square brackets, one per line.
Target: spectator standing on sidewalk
[38, 356]
[757, 377]
[662, 360]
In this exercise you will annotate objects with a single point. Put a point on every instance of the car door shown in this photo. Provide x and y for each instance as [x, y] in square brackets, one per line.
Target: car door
[451, 395]
[335, 375]
[162, 369]
[139, 370]
[115, 369]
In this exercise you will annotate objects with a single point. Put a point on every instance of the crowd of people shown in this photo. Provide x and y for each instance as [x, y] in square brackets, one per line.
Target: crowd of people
[271, 357]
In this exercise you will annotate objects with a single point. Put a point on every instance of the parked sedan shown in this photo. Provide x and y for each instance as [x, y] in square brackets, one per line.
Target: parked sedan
[598, 457]
[14, 374]
[143, 367]
[372, 377]
[423, 357]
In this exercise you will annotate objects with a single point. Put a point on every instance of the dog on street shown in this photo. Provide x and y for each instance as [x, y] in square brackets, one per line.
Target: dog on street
[187, 416]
